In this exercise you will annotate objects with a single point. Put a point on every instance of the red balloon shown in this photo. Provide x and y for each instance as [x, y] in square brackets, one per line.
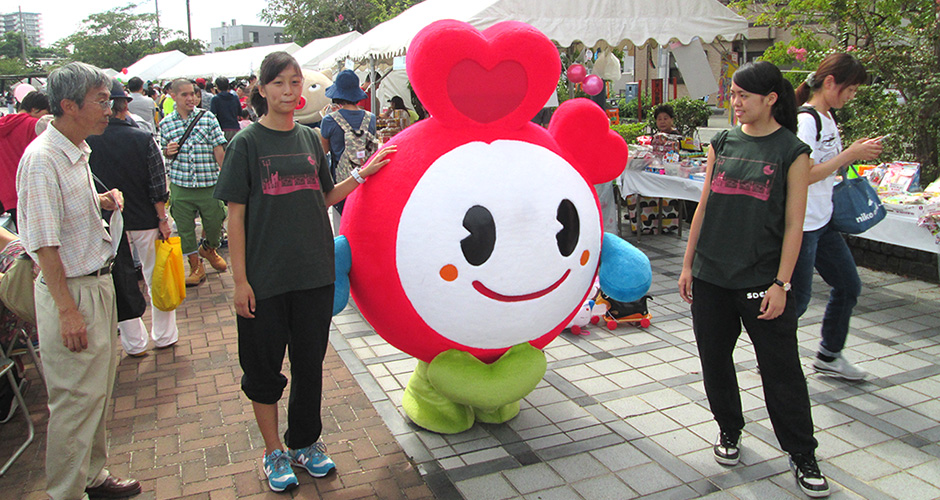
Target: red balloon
[593, 84]
[576, 73]
[124, 71]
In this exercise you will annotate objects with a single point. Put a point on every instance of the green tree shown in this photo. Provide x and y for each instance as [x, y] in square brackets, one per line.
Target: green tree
[192, 47]
[897, 40]
[237, 46]
[306, 20]
[12, 66]
[115, 38]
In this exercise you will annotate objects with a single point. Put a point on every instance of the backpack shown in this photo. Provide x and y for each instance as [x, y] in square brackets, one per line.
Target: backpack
[360, 145]
[815, 114]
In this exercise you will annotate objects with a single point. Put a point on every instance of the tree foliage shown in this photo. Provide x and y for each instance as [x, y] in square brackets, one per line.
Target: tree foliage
[192, 47]
[899, 43]
[306, 20]
[115, 38]
[237, 46]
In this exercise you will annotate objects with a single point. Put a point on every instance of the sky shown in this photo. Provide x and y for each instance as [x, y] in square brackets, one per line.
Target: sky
[61, 18]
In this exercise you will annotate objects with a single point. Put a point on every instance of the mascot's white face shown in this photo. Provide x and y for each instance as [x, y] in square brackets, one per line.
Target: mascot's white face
[313, 98]
[489, 254]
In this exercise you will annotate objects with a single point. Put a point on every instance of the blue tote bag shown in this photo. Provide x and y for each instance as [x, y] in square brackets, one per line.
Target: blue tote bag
[855, 206]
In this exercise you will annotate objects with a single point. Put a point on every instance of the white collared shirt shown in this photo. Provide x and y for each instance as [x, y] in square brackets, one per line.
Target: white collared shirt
[58, 205]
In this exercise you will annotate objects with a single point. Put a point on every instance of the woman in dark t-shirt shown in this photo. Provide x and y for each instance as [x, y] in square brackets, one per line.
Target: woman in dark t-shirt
[278, 185]
[743, 245]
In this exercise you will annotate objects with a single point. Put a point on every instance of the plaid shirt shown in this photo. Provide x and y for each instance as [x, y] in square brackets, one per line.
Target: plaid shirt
[58, 205]
[195, 165]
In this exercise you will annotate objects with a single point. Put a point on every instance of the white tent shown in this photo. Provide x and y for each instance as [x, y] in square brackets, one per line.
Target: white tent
[229, 63]
[150, 67]
[616, 22]
[310, 55]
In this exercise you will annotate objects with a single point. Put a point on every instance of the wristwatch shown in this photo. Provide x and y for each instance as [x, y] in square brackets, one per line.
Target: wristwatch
[786, 286]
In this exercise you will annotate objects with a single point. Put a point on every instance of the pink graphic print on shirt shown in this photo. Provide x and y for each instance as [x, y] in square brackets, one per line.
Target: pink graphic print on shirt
[282, 174]
[751, 177]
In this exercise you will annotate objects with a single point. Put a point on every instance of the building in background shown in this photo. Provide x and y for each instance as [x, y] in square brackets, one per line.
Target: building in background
[234, 34]
[20, 22]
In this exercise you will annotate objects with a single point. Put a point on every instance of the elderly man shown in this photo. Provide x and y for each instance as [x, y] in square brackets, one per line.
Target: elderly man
[194, 169]
[126, 157]
[76, 314]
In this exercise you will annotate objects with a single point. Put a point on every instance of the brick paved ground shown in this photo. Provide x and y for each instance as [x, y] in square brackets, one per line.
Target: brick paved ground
[181, 425]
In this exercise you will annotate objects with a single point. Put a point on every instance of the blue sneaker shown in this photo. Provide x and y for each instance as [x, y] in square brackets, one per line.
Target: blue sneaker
[280, 475]
[313, 458]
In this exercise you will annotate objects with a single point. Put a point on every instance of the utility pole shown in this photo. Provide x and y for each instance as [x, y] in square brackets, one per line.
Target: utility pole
[189, 24]
[23, 36]
[156, 5]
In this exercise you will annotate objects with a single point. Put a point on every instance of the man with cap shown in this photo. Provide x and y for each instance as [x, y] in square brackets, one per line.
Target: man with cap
[345, 93]
[206, 95]
[194, 170]
[127, 158]
[60, 225]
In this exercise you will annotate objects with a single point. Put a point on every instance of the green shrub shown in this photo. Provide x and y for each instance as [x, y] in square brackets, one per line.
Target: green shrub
[630, 131]
[690, 115]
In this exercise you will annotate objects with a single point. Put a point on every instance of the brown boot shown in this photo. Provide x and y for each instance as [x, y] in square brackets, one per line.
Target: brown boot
[197, 273]
[215, 260]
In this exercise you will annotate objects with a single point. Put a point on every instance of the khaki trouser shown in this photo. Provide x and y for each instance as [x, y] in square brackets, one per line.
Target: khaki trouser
[79, 386]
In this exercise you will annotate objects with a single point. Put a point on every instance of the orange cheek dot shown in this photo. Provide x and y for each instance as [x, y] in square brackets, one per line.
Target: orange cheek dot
[449, 272]
[584, 257]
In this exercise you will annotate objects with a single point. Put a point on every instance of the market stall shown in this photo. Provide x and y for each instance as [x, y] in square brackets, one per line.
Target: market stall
[616, 23]
[912, 220]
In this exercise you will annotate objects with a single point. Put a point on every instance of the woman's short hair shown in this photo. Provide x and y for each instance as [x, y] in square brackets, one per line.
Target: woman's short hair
[664, 108]
[35, 101]
[73, 82]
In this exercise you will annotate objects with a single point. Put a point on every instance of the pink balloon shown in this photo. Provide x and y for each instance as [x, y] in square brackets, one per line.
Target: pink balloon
[576, 73]
[21, 90]
[593, 84]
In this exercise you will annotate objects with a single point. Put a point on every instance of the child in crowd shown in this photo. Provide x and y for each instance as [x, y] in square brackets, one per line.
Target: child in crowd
[278, 186]
[743, 244]
[832, 85]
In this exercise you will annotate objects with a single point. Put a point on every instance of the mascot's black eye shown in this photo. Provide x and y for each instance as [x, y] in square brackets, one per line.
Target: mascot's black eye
[570, 227]
[478, 247]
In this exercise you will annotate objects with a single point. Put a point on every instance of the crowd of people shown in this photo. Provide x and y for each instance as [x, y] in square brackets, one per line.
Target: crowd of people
[125, 154]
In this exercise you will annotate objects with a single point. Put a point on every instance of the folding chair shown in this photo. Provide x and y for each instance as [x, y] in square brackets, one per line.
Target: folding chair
[6, 368]
[21, 345]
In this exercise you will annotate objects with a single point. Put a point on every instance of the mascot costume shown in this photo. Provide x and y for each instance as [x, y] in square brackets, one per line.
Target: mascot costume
[313, 98]
[477, 244]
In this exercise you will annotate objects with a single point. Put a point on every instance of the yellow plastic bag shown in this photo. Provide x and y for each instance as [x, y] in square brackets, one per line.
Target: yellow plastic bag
[169, 278]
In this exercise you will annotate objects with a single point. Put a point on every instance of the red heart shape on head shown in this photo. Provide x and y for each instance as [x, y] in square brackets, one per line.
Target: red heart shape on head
[486, 95]
[500, 77]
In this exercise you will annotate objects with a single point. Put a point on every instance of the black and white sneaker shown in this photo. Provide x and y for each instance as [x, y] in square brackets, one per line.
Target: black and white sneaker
[808, 475]
[726, 448]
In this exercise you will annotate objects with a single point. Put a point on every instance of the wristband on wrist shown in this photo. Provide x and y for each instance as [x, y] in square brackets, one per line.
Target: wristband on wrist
[163, 219]
[355, 175]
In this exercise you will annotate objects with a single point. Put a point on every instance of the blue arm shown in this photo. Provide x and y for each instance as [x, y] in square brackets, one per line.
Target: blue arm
[343, 262]
[625, 273]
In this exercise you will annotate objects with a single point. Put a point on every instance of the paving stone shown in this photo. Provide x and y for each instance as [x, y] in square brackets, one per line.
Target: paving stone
[533, 478]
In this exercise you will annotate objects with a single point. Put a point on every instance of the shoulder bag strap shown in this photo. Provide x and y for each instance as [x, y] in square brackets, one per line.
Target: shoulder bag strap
[190, 128]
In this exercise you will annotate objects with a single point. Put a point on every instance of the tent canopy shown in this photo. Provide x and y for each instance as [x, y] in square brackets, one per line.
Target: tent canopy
[229, 63]
[616, 22]
[310, 55]
[150, 67]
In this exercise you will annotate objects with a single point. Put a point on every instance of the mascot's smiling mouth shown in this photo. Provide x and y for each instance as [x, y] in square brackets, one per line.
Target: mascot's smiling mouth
[480, 287]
